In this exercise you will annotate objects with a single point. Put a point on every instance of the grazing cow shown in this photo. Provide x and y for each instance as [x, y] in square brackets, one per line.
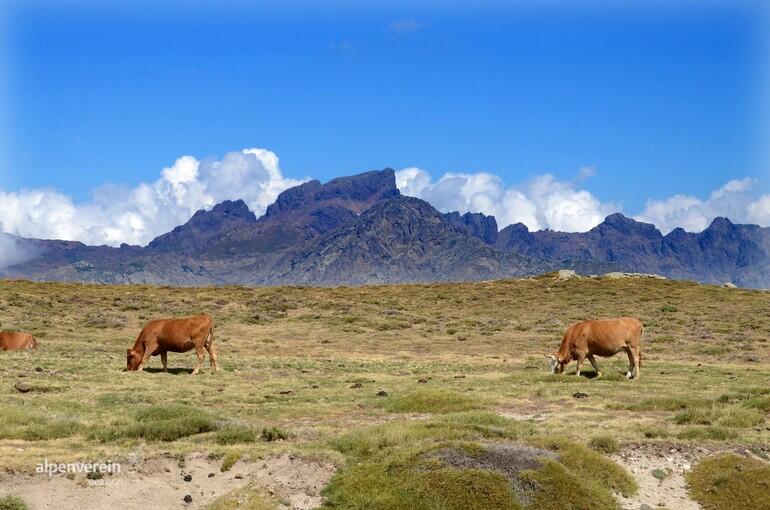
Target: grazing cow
[604, 337]
[173, 335]
[17, 341]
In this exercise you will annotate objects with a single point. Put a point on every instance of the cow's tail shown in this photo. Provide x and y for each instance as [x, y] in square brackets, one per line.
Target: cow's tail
[641, 334]
[210, 337]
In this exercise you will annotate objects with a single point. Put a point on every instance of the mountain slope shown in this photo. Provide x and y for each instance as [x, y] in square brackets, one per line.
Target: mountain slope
[359, 229]
[399, 240]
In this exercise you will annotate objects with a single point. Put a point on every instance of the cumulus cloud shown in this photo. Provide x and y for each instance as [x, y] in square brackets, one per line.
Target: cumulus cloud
[737, 200]
[135, 215]
[543, 202]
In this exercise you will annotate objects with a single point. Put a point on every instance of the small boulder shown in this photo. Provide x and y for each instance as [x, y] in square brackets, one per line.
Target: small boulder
[580, 394]
[188, 499]
[382, 393]
[23, 387]
[729, 285]
[566, 274]
[188, 478]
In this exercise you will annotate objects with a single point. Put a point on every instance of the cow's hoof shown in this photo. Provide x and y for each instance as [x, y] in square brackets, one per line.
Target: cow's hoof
[598, 374]
[628, 375]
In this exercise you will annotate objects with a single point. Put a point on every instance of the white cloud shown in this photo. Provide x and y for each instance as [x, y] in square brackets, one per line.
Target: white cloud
[541, 203]
[737, 200]
[12, 251]
[136, 215]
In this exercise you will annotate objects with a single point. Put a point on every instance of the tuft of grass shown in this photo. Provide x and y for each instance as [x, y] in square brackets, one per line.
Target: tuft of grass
[590, 464]
[229, 460]
[271, 434]
[12, 503]
[160, 423]
[707, 433]
[604, 444]
[31, 426]
[431, 401]
[728, 481]
[249, 498]
[555, 487]
[234, 434]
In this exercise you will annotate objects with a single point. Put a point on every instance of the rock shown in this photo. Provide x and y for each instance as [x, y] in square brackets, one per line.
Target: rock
[38, 369]
[286, 392]
[566, 274]
[614, 275]
[580, 394]
[188, 499]
[423, 381]
[188, 478]
[357, 385]
[729, 285]
[382, 393]
[212, 475]
[23, 387]
[239, 476]
[645, 506]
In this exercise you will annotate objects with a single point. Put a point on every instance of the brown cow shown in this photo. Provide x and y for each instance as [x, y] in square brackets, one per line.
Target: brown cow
[17, 341]
[604, 337]
[173, 335]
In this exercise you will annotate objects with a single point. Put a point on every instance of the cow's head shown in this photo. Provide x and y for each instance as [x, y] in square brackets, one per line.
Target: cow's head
[555, 363]
[133, 360]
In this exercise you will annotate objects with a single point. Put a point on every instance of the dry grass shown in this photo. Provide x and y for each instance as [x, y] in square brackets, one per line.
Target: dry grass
[306, 364]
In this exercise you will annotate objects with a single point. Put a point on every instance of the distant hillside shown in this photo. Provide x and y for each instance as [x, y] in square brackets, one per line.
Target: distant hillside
[360, 230]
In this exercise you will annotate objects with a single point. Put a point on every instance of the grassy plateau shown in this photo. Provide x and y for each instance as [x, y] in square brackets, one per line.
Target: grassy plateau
[432, 396]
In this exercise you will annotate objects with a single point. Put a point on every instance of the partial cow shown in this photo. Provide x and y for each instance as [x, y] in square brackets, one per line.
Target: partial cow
[17, 341]
[604, 337]
[161, 336]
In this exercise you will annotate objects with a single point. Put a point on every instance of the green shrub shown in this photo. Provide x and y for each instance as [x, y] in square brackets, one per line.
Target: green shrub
[270, 434]
[160, 423]
[728, 482]
[430, 401]
[12, 503]
[604, 444]
[234, 434]
[229, 460]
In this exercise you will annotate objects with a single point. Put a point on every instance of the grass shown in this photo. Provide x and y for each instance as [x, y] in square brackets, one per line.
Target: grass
[248, 498]
[604, 444]
[301, 369]
[12, 503]
[395, 466]
[430, 401]
[160, 423]
[727, 482]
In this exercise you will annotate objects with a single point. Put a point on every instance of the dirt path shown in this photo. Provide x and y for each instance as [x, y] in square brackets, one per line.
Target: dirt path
[659, 470]
[160, 483]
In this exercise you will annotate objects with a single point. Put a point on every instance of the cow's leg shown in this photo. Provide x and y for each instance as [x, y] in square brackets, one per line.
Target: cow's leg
[213, 356]
[631, 362]
[199, 352]
[580, 358]
[164, 360]
[637, 360]
[145, 359]
[212, 350]
[593, 362]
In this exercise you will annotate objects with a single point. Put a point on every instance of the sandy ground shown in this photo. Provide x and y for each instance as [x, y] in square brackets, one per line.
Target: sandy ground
[672, 462]
[160, 483]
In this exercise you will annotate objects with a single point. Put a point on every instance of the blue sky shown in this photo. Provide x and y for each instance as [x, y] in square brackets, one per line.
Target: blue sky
[659, 101]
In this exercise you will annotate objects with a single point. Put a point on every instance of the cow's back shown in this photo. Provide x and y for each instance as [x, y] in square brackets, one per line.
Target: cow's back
[12, 341]
[177, 334]
[607, 335]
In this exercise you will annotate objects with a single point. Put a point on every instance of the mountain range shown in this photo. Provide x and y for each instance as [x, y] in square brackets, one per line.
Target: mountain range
[360, 230]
